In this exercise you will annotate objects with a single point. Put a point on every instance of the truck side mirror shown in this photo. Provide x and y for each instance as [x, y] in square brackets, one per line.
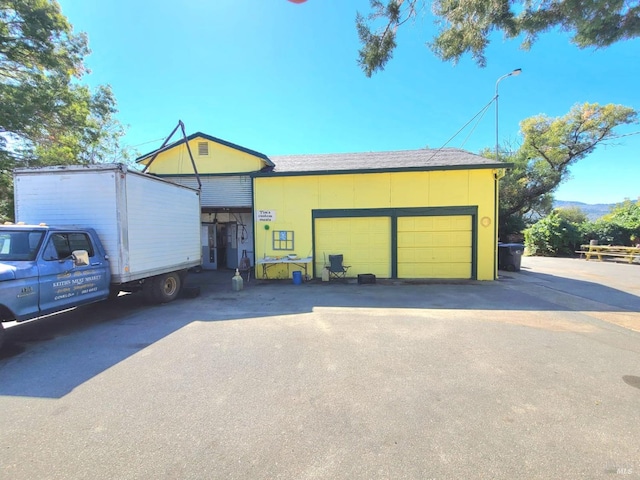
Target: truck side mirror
[80, 257]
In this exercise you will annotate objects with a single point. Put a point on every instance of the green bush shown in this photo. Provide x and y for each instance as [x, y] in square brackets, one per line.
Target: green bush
[574, 215]
[564, 230]
[620, 227]
[552, 235]
[606, 233]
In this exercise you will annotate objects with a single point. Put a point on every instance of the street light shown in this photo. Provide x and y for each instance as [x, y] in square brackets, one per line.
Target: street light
[517, 71]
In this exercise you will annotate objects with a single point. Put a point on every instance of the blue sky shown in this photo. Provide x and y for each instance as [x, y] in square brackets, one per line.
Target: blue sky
[282, 78]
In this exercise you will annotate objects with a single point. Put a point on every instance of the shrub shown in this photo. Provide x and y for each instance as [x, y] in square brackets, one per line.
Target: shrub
[574, 215]
[606, 232]
[552, 235]
[620, 227]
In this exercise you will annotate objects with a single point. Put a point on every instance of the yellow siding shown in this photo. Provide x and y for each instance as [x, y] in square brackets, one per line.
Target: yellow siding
[449, 187]
[334, 191]
[372, 193]
[220, 159]
[364, 242]
[433, 189]
[294, 198]
[434, 247]
[482, 193]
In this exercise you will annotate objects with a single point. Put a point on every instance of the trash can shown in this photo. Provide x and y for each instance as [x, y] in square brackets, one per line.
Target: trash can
[510, 256]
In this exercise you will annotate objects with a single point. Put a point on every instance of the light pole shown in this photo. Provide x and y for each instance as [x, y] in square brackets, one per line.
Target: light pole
[517, 71]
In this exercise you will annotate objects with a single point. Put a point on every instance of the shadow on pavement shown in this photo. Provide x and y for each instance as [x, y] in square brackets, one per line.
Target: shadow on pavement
[50, 358]
[596, 296]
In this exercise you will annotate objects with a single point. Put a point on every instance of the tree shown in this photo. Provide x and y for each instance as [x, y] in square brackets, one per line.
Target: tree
[465, 26]
[549, 147]
[46, 115]
[573, 215]
[552, 235]
[626, 214]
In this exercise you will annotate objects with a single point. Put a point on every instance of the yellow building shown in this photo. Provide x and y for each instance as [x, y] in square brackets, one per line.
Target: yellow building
[403, 214]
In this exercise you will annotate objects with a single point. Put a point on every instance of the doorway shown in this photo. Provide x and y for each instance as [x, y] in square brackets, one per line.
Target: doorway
[209, 240]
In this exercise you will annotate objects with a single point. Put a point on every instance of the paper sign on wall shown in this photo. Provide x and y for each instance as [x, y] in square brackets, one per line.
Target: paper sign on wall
[266, 216]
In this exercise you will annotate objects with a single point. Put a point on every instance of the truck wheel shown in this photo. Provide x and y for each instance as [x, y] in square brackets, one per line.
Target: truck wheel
[166, 287]
[1, 335]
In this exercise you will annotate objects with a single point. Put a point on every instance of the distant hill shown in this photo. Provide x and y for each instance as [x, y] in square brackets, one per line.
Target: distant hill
[593, 212]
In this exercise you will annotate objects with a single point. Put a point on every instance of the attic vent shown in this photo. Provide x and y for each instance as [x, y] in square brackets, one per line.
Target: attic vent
[203, 149]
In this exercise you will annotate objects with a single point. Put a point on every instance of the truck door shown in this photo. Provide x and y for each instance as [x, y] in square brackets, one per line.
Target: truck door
[63, 284]
[22, 293]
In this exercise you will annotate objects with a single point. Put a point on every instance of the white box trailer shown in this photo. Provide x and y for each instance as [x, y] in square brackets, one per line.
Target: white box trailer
[147, 225]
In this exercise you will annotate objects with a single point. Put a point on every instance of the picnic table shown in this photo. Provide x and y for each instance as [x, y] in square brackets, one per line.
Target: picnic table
[619, 251]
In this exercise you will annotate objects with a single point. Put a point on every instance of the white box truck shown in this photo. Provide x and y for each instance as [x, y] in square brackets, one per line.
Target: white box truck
[85, 233]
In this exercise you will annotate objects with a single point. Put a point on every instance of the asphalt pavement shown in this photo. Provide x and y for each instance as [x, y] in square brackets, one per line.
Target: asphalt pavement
[536, 375]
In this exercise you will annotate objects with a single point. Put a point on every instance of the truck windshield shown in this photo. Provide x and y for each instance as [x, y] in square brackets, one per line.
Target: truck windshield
[19, 245]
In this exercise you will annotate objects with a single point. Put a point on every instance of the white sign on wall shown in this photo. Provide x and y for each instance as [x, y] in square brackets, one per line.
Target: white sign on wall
[266, 216]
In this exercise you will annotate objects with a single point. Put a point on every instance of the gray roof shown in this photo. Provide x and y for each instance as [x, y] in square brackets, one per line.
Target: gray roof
[444, 159]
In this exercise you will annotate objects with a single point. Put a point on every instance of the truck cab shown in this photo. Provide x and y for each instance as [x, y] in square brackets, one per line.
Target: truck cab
[46, 269]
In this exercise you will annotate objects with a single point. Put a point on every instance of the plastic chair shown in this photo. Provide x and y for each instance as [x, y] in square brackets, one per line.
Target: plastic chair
[336, 268]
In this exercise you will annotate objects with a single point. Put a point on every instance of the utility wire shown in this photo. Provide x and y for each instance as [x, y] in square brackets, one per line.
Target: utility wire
[484, 109]
[476, 125]
[146, 143]
[626, 135]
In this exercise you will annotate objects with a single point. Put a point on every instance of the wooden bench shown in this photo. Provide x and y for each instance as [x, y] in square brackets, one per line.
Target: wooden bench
[615, 251]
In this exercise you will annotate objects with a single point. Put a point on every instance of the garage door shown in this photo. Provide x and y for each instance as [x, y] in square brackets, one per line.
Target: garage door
[435, 247]
[365, 243]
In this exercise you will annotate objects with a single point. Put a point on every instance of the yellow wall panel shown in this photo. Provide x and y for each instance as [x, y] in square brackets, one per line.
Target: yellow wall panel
[440, 239]
[437, 188]
[301, 196]
[422, 252]
[434, 254]
[449, 187]
[410, 189]
[456, 239]
[482, 191]
[451, 223]
[336, 191]
[364, 242]
[371, 191]
[434, 223]
[434, 270]
[220, 159]
[413, 224]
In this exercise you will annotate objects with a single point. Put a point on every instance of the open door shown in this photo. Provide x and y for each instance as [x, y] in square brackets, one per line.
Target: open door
[232, 245]
[209, 244]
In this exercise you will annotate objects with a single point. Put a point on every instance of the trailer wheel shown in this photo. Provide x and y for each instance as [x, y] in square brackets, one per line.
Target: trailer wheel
[166, 287]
